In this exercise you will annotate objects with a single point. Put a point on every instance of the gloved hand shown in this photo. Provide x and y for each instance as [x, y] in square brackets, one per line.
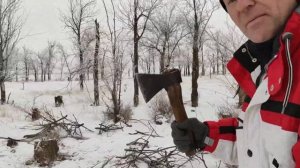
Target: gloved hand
[189, 135]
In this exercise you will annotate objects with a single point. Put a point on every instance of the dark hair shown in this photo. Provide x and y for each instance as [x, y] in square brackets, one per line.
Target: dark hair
[223, 5]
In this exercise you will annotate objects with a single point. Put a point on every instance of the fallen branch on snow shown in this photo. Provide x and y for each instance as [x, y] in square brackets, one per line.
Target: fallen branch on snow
[106, 128]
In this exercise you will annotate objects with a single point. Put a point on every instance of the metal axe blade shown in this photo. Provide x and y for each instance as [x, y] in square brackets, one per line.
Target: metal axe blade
[151, 84]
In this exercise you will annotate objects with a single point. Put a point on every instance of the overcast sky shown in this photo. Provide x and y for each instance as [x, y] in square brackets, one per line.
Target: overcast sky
[43, 23]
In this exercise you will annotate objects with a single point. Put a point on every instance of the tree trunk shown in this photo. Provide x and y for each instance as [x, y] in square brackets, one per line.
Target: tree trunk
[218, 71]
[26, 71]
[3, 93]
[116, 108]
[2, 78]
[114, 96]
[17, 79]
[202, 65]
[149, 67]
[102, 67]
[195, 64]
[81, 71]
[188, 72]
[35, 76]
[210, 68]
[61, 73]
[45, 152]
[153, 63]
[135, 55]
[135, 67]
[96, 65]
[223, 67]
[49, 74]
[195, 75]
[162, 56]
[42, 72]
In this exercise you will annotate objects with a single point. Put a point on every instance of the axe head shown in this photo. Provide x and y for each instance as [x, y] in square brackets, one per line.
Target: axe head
[150, 84]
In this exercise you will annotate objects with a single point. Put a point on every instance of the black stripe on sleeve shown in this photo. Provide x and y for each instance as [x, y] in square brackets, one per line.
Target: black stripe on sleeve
[227, 130]
[247, 99]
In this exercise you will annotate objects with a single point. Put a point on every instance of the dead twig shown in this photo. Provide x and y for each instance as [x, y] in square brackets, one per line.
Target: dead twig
[50, 123]
[144, 133]
[9, 138]
[81, 125]
[106, 128]
[139, 151]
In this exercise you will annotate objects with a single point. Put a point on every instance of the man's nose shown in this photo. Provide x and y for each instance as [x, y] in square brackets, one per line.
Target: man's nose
[244, 4]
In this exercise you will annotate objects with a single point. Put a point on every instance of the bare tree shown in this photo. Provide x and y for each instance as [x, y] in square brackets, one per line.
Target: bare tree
[13, 64]
[226, 42]
[80, 13]
[102, 63]
[135, 14]
[50, 58]
[16, 64]
[215, 48]
[35, 64]
[148, 60]
[113, 79]
[96, 65]
[88, 37]
[64, 59]
[212, 63]
[166, 32]
[10, 28]
[42, 65]
[198, 14]
[181, 55]
[62, 62]
[26, 62]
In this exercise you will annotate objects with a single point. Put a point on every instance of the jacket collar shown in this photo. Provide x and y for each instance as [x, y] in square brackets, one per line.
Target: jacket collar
[278, 69]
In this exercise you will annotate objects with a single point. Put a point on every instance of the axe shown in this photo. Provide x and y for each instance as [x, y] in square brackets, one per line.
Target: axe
[150, 84]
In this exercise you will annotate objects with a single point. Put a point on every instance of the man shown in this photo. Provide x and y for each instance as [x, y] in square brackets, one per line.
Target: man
[267, 130]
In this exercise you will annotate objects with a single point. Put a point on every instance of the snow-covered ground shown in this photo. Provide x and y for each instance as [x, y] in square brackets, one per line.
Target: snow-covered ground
[95, 149]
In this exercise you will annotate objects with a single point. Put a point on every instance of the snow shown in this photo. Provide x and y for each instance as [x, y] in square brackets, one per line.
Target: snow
[95, 149]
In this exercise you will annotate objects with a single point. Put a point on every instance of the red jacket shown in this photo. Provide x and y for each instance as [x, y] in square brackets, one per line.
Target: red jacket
[267, 131]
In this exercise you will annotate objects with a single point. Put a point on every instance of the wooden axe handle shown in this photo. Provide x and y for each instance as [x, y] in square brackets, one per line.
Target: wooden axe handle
[175, 98]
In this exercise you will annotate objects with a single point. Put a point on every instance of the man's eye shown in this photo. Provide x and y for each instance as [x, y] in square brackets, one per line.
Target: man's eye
[230, 1]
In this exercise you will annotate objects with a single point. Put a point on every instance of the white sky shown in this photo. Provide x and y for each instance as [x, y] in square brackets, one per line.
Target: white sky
[43, 23]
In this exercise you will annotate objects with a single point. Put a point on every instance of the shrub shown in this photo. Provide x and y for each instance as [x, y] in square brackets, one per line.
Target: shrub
[226, 111]
[125, 114]
[161, 108]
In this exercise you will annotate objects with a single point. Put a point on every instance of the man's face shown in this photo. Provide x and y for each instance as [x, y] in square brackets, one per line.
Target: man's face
[260, 20]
